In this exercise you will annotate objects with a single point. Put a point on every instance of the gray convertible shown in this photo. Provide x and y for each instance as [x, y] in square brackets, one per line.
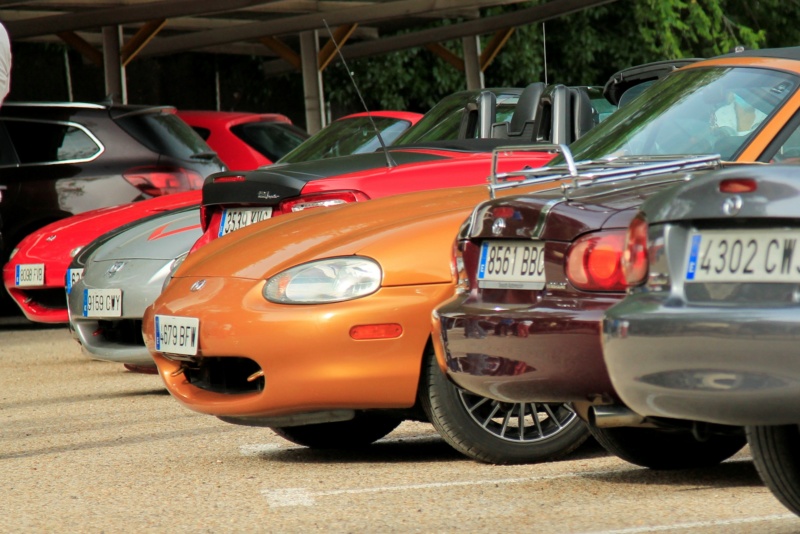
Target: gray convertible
[710, 330]
[123, 273]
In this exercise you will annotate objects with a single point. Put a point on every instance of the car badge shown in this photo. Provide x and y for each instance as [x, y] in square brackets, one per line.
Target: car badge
[197, 286]
[114, 269]
[266, 195]
[498, 226]
[51, 238]
[732, 205]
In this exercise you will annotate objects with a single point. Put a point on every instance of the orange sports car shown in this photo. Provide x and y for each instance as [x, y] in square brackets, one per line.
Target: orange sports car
[317, 324]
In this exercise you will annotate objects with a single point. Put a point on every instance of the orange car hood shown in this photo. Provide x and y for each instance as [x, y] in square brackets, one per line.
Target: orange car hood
[410, 235]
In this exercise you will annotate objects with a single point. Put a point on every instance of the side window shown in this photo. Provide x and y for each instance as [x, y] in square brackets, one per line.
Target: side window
[785, 147]
[49, 142]
[789, 151]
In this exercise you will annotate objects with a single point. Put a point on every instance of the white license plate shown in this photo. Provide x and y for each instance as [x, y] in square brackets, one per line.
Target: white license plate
[177, 335]
[744, 256]
[234, 219]
[29, 274]
[102, 303]
[73, 275]
[508, 264]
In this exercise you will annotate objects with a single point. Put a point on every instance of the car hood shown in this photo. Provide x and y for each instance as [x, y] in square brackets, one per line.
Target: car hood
[53, 243]
[410, 235]
[164, 237]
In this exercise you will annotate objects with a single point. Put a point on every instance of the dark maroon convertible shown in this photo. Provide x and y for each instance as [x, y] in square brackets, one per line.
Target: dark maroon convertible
[544, 268]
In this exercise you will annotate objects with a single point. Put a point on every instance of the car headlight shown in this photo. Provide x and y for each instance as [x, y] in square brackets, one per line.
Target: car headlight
[173, 266]
[328, 280]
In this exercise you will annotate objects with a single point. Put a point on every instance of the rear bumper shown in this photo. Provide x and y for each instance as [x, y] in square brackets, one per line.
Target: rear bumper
[549, 352]
[733, 366]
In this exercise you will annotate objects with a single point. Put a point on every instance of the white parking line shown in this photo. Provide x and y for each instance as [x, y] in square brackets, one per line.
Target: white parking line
[698, 524]
[303, 497]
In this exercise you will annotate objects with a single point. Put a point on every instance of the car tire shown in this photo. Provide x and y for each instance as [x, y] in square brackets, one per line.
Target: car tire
[667, 449]
[363, 429]
[776, 457]
[491, 432]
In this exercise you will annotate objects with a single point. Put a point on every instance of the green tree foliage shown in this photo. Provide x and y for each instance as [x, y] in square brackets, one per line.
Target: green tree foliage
[583, 48]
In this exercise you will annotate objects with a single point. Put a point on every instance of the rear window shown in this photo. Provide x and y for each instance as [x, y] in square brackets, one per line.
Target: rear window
[164, 133]
[272, 139]
[39, 142]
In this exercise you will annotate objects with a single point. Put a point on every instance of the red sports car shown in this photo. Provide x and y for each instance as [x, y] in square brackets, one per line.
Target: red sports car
[450, 147]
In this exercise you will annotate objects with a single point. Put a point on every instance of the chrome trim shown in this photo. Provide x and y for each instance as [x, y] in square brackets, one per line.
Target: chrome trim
[596, 171]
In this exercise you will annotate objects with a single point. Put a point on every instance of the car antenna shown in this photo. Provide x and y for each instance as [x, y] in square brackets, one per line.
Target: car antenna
[544, 50]
[389, 161]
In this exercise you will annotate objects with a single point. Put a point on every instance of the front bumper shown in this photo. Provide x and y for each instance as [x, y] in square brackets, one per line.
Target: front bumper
[727, 365]
[310, 363]
[118, 339]
[41, 304]
[548, 352]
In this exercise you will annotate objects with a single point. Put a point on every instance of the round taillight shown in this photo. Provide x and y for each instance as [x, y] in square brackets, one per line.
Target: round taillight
[634, 258]
[593, 262]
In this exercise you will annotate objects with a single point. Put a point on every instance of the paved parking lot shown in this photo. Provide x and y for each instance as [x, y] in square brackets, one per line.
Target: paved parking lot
[86, 446]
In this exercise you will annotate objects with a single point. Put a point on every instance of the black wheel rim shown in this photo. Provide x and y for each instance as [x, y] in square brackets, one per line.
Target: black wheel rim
[517, 422]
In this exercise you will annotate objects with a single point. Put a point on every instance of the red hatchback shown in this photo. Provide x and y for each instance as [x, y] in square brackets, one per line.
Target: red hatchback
[243, 140]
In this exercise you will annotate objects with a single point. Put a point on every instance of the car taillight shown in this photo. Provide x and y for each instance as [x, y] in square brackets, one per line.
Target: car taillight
[210, 217]
[634, 257]
[157, 181]
[321, 200]
[593, 262]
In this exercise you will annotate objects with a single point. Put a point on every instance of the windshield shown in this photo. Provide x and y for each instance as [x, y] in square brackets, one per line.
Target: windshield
[694, 111]
[443, 121]
[348, 136]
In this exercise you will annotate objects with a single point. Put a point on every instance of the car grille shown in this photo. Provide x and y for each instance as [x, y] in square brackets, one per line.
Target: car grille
[225, 375]
[123, 332]
[51, 298]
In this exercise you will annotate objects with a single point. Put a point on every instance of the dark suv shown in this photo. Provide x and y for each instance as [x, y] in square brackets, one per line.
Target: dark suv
[59, 159]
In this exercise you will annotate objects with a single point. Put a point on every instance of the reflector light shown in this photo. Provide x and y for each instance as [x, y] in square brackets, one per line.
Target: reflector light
[223, 179]
[376, 331]
[738, 185]
[594, 262]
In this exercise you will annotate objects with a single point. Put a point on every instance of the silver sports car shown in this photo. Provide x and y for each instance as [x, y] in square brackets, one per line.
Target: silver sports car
[710, 329]
[123, 273]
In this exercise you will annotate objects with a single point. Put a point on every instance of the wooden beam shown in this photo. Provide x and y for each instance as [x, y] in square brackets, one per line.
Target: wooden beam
[313, 21]
[494, 46]
[446, 55]
[141, 12]
[539, 13]
[340, 37]
[140, 40]
[283, 50]
[81, 45]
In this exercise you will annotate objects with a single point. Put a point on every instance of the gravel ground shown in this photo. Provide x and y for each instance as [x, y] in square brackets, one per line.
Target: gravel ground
[86, 446]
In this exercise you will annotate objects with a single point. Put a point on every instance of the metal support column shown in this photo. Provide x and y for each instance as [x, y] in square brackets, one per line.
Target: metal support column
[113, 69]
[472, 62]
[312, 82]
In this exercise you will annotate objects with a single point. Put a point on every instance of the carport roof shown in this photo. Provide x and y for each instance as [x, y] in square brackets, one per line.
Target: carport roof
[160, 27]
